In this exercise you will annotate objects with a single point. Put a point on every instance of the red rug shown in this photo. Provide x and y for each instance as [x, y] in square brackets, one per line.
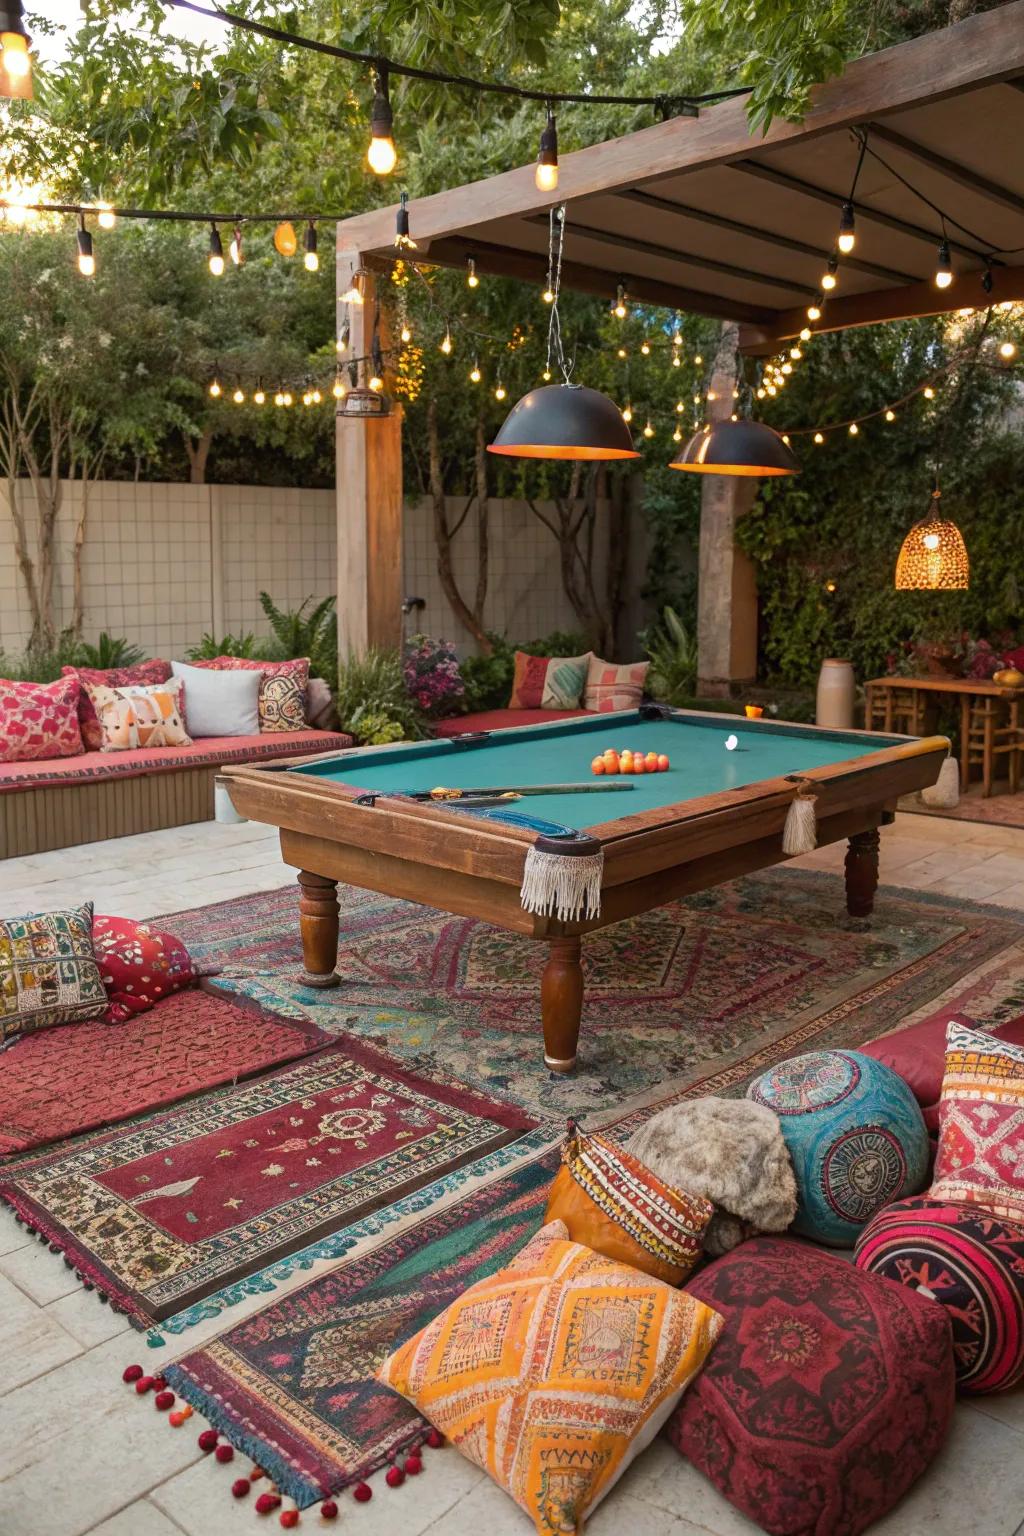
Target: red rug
[162, 1212]
[79, 1077]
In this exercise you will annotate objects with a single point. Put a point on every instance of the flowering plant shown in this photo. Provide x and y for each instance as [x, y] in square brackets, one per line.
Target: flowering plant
[430, 669]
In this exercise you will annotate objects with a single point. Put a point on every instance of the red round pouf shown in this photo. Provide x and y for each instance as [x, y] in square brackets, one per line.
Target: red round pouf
[972, 1264]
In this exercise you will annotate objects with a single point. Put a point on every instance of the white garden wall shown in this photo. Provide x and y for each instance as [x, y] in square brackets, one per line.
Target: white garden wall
[165, 563]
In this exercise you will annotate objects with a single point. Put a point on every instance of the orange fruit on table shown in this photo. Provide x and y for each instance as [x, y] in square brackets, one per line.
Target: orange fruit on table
[663, 764]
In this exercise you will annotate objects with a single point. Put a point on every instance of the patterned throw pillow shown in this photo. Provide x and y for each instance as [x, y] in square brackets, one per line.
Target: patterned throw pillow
[612, 1203]
[612, 687]
[555, 1373]
[144, 672]
[828, 1395]
[283, 691]
[48, 972]
[139, 964]
[39, 720]
[981, 1123]
[972, 1264]
[548, 682]
[133, 717]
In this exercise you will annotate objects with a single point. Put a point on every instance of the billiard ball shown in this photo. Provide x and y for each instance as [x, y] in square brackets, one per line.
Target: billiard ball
[652, 761]
[597, 766]
[731, 743]
[663, 764]
[639, 764]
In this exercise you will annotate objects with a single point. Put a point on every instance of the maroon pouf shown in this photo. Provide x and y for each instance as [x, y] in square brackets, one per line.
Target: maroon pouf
[828, 1394]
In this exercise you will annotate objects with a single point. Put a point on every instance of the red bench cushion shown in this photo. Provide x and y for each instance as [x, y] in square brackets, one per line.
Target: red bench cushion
[209, 752]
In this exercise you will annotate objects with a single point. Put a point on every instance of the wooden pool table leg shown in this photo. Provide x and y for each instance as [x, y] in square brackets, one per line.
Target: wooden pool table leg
[862, 873]
[318, 923]
[561, 1002]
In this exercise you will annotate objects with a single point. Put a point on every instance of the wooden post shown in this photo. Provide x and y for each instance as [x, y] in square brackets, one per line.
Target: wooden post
[369, 489]
[727, 590]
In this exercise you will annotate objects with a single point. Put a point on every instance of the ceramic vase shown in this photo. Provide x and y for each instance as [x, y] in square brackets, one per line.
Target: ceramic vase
[836, 695]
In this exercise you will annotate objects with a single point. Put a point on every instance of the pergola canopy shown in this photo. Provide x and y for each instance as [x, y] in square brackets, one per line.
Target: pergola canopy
[698, 214]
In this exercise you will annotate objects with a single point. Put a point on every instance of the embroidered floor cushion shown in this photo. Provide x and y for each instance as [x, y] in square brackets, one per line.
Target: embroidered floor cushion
[139, 715]
[972, 1264]
[39, 720]
[918, 1055]
[48, 972]
[554, 1373]
[139, 964]
[981, 1123]
[144, 673]
[855, 1134]
[548, 682]
[611, 1202]
[827, 1396]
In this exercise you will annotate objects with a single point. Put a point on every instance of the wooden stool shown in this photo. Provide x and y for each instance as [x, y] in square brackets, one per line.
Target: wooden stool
[896, 707]
[990, 727]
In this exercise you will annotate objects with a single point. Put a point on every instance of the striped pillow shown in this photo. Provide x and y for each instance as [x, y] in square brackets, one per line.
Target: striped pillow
[980, 1160]
[548, 682]
[613, 687]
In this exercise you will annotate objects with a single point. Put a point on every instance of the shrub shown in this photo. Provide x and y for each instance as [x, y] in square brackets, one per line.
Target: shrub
[312, 633]
[371, 684]
[430, 669]
[673, 652]
[209, 647]
[110, 651]
[373, 728]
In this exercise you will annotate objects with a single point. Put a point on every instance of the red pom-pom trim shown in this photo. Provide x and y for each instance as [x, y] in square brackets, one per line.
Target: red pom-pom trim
[163, 1401]
[362, 1493]
[160, 1382]
[143, 1385]
[240, 1487]
[225, 1453]
[207, 1440]
[394, 1477]
[176, 1419]
[435, 1439]
[132, 1373]
[267, 1502]
[328, 1510]
[413, 1465]
[289, 1518]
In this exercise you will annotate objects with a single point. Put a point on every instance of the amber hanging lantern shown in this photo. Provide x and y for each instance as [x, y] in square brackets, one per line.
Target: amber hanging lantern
[934, 556]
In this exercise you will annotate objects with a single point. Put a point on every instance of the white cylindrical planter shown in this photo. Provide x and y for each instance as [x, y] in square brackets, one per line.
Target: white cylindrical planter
[837, 692]
[223, 809]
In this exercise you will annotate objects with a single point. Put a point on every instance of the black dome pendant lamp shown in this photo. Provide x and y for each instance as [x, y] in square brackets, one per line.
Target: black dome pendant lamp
[563, 421]
[739, 446]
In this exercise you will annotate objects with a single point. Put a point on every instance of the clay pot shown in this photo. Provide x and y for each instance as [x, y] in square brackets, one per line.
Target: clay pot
[836, 693]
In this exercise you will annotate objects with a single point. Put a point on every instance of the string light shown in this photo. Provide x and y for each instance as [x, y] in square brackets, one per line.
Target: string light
[446, 344]
[645, 349]
[235, 248]
[1007, 349]
[279, 397]
[472, 281]
[627, 413]
[86, 259]
[403, 239]
[216, 257]
[890, 414]
[677, 361]
[847, 229]
[15, 63]
[106, 218]
[474, 373]
[259, 397]
[829, 279]
[546, 173]
[814, 310]
[944, 266]
[317, 396]
[500, 391]
[854, 429]
[795, 353]
[619, 309]
[548, 295]
[679, 407]
[338, 387]
[310, 258]
[546, 375]
[287, 398]
[677, 335]
[354, 292]
[622, 352]
[677, 436]
[806, 333]
[238, 397]
[307, 397]
[928, 392]
[819, 437]
[406, 333]
[375, 382]
[698, 360]
[648, 429]
[215, 389]
[381, 156]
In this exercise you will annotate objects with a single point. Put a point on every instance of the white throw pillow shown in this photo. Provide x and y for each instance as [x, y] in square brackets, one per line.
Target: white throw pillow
[220, 703]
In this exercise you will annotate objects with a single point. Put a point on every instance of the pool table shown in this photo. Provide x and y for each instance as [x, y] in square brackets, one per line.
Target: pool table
[715, 814]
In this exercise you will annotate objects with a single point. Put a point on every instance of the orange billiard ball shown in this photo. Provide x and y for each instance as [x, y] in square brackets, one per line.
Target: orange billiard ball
[651, 760]
[663, 764]
[597, 766]
[639, 764]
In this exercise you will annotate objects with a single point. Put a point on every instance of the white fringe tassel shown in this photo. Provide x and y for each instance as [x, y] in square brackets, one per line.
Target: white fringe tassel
[564, 886]
[944, 794]
[800, 834]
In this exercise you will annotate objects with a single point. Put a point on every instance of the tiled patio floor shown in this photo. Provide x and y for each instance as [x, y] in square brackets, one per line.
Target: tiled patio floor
[80, 1454]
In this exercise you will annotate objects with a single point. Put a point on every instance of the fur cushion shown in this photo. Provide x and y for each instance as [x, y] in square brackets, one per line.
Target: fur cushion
[730, 1151]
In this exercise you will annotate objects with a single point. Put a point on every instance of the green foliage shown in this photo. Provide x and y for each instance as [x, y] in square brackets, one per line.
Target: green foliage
[673, 652]
[43, 663]
[209, 647]
[306, 631]
[110, 651]
[374, 728]
[370, 686]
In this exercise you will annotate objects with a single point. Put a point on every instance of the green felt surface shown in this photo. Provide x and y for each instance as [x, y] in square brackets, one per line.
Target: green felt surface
[562, 752]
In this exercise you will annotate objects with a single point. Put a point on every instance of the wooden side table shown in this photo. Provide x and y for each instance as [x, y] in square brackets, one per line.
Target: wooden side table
[991, 719]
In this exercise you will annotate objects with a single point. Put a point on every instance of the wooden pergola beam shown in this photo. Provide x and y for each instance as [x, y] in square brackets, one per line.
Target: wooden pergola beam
[989, 50]
[908, 303]
[962, 175]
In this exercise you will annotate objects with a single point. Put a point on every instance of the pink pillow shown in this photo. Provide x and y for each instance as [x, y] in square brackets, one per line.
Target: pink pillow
[139, 965]
[144, 672]
[39, 720]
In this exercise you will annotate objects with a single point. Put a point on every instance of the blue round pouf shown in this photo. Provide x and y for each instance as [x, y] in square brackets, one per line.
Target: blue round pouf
[856, 1138]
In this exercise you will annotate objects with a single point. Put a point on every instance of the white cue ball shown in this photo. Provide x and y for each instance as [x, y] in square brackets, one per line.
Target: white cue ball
[731, 743]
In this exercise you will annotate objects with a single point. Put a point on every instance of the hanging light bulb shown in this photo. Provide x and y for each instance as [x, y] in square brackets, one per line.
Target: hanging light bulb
[805, 334]
[648, 429]
[381, 154]
[787, 369]
[698, 360]
[944, 266]
[676, 360]
[548, 296]
[15, 63]
[86, 259]
[106, 218]
[343, 337]
[474, 373]
[819, 437]
[403, 239]
[814, 310]
[238, 397]
[354, 292]
[928, 392]
[890, 415]
[235, 248]
[679, 407]
[627, 413]
[760, 391]
[307, 397]
[645, 349]
[619, 309]
[677, 335]
[259, 394]
[472, 281]
[215, 389]
[546, 375]
[1007, 350]
[375, 382]
[677, 436]
[546, 174]
[621, 352]
[216, 257]
[446, 344]
[829, 279]
[795, 353]
[847, 230]
[854, 429]
[338, 387]
[317, 396]
[311, 257]
[500, 391]
[287, 397]
[405, 333]
[279, 397]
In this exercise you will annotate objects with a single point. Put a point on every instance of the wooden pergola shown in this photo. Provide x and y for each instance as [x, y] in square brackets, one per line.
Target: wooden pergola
[698, 214]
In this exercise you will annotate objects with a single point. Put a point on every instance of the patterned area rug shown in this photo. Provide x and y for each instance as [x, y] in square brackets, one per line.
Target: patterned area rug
[76, 1077]
[165, 1211]
[768, 962]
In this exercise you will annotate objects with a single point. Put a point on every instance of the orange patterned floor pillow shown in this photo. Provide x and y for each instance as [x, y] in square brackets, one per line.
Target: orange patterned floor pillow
[612, 1202]
[980, 1160]
[555, 1373]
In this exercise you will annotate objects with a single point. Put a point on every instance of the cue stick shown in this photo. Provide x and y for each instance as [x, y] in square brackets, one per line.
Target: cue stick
[502, 791]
